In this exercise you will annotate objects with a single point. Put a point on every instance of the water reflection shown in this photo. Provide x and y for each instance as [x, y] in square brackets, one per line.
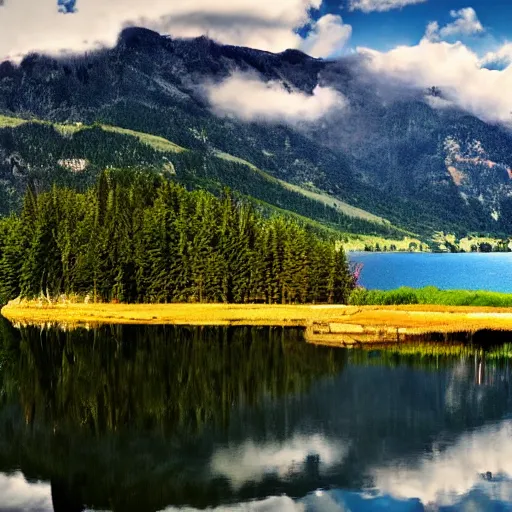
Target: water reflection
[165, 418]
[300, 454]
[18, 494]
[479, 461]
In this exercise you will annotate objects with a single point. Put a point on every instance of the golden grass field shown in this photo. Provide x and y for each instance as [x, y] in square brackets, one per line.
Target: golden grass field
[416, 318]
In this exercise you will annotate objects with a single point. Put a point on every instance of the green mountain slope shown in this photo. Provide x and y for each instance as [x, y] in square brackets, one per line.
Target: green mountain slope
[41, 153]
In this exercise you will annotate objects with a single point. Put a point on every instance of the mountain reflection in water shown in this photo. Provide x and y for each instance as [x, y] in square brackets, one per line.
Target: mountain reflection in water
[173, 418]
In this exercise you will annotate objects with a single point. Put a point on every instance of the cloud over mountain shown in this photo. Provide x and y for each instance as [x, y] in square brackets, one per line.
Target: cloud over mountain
[264, 24]
[247, 97]
[327, 36]
[501, 58]
[454, 68]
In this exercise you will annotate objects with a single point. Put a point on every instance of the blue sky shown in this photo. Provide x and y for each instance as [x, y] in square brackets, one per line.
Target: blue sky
[406, 26]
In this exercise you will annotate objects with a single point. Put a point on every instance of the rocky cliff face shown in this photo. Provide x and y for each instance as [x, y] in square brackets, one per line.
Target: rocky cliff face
[388, 150]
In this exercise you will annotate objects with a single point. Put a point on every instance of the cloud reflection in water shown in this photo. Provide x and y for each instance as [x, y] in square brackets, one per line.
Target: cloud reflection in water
[16, 494]
[443, 477]
[251, 462]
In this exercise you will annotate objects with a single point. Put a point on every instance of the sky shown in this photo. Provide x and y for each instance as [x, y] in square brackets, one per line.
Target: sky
[323, 28]
[462, 46]
[383, 30]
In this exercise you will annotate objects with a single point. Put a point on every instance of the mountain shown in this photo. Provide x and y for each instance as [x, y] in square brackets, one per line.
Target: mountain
[393, 153]
[74, 154]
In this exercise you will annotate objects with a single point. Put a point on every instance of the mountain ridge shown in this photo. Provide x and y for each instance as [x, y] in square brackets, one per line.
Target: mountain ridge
[386, 153]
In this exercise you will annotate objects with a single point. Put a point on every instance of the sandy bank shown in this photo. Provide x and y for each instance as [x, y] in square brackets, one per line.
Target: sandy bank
[359, 322]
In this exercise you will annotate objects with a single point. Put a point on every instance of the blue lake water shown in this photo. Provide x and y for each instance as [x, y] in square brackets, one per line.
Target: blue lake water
[469, 271]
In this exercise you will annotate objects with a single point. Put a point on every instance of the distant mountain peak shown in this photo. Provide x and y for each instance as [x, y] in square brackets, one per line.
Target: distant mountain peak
[295, 56]
[138, 36]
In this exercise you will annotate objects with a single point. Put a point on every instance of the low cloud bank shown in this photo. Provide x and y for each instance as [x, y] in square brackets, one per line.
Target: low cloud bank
[381, 5]
[444, 477]
[250, 99]
[455, 69]
[16, 494]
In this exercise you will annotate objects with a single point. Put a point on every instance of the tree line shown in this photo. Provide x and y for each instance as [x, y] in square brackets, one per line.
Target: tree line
[139, 237]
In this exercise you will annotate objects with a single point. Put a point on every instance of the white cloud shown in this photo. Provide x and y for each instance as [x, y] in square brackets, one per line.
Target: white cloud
[455, 69]
[466, 24]
[247, 97]
[327, 37]
[381, 5]
[262, 24]
[501, 57]
[438, 103]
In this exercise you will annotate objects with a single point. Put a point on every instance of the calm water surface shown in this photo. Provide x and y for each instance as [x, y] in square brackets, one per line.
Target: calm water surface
[470, 271]
[161, 418]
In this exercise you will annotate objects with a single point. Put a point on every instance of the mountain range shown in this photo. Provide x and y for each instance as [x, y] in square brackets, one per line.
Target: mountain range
[386, 159]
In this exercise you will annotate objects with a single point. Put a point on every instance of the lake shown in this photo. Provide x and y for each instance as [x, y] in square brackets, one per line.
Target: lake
[469, 271]
[154, 418]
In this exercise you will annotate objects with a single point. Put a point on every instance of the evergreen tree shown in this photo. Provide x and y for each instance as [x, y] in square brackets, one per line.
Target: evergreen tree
[137, 238]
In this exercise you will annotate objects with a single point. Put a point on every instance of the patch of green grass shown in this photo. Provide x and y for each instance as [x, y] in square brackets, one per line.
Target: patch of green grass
[430, 295]
[318, 196]
[322, 229]
[359, 243]
[341, 206]
[11, 122]
[67, 130]
[232, 158]
[158, 143]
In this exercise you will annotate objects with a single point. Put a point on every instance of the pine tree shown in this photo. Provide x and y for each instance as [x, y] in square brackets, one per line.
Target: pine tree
[11, 257]
[140, 238]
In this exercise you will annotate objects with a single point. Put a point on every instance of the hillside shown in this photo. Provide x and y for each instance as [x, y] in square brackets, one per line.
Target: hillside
[40, 152]
[391, 159]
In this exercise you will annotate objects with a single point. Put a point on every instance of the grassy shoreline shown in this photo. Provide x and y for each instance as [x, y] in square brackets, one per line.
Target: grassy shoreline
[408, 319]
[430, 295]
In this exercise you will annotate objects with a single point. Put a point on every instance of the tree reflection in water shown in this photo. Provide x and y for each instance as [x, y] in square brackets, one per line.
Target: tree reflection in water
[140, 418]
[137, 405]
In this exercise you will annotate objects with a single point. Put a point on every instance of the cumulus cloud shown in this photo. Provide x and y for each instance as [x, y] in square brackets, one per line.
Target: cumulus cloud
[500, 58]
[271, 504]
[381, 5]
[264, 24]
[248, 98]
[327, 36]
[455, 69]
[466, 23]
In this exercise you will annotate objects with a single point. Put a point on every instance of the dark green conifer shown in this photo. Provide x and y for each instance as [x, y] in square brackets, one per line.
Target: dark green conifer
[137, 238]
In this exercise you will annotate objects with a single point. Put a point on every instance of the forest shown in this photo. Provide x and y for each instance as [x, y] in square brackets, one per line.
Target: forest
[138, 237]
